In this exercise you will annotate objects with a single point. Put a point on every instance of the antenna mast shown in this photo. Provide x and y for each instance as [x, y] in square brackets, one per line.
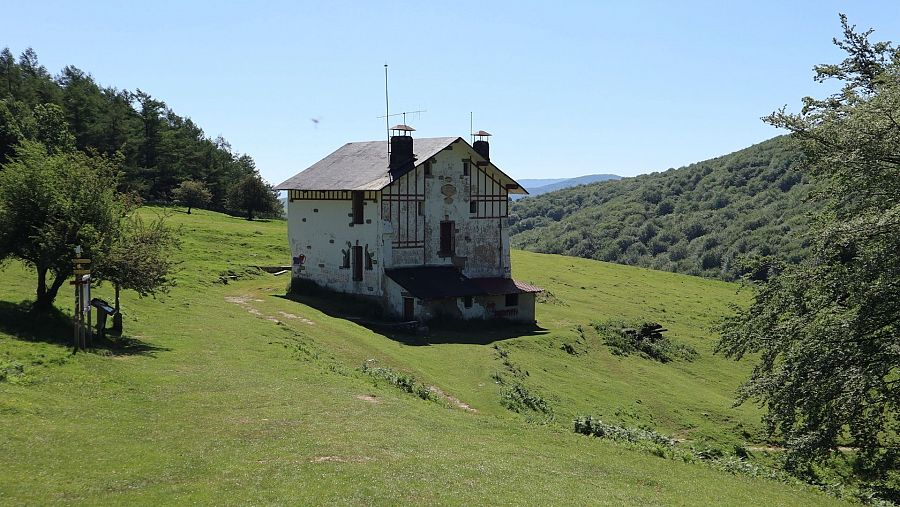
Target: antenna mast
[387, 112]
[471, 135]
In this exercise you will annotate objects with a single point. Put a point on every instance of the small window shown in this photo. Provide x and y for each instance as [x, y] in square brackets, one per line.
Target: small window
[420, 208]
[473, 206]
[465, 168]
[467, 301]
[357, 206]
[428, 168]
[512, 300]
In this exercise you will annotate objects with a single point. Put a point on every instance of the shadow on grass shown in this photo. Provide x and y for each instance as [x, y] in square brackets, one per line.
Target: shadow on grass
[368, 313]
[52, 326]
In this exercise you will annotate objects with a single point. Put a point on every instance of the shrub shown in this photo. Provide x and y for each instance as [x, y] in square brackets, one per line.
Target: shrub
[518, 399]
[10, 370]
[400, 380]
[587, 425]
[644, 338]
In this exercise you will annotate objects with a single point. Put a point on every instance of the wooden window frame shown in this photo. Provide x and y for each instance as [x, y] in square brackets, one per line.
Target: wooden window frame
[402, 203]
[357, 206]
[491, 197]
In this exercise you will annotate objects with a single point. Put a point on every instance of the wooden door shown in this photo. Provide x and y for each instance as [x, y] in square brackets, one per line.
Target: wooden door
[409, 310]
[357, 263]
[446, 246]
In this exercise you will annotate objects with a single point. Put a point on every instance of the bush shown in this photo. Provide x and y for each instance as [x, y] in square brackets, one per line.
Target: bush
[11, 370]
[587, 425]
[401, 381]
[518, 399]
[644, 338]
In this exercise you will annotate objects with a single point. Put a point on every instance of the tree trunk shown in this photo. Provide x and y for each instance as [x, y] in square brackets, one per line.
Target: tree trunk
[40, 301]
[249, 213]
[189, 210]
[117, 318]
[46, 295]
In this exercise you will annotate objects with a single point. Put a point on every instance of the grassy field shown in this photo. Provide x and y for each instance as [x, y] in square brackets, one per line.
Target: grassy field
[231, 393]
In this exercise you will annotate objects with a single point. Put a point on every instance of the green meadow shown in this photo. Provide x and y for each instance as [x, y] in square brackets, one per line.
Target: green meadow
[226, 391]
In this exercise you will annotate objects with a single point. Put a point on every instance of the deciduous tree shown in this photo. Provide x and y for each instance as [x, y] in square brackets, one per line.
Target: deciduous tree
[828, 329]
[50, 203]
[192, 194]
[139, 259]
[254, 195]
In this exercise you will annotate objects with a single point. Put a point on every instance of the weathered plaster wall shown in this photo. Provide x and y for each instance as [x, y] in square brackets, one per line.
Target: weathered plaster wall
[524, 310]
[320, 234]
[481, 245]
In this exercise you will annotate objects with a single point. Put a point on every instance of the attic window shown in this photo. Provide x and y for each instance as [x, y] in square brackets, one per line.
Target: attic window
[465, 168]
[512, 300]
[467, 301]
[428, 168]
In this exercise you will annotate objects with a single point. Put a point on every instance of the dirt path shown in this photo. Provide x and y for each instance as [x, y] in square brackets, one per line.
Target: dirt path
[456, 402]
[244, 302]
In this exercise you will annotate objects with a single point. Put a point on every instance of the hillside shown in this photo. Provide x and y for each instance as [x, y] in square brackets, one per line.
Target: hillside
[696, 220]
[158, 148]
[543, 186]
[232, 393]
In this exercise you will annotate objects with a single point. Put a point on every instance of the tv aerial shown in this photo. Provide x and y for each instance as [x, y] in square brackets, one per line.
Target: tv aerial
[387, 110]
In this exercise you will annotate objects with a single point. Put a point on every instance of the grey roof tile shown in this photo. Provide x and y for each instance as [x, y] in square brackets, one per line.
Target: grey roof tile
[364, 166]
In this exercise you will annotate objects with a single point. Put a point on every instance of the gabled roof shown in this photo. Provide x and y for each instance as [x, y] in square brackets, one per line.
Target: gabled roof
[439, 282]
[364, 166]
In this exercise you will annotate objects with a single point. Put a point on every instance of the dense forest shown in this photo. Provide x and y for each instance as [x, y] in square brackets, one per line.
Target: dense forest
[701, 219]
[156, 148]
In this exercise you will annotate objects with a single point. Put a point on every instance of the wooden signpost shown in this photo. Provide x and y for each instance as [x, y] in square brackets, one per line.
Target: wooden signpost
[83, 337]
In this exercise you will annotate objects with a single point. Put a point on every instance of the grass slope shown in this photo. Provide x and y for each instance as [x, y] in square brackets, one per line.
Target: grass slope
[230, 393]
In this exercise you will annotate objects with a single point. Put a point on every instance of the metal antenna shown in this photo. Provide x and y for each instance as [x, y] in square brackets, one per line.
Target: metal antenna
[403, 114]
[387, 112]
[471, 130]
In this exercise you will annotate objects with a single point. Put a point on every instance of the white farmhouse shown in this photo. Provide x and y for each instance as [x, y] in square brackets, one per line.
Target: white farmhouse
[422, 229]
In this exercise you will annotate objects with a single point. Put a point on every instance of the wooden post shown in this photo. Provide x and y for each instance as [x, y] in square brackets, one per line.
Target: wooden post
[75, 317]
[82, 336]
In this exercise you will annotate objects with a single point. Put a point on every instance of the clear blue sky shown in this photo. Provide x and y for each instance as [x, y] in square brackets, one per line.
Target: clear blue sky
[567, 88]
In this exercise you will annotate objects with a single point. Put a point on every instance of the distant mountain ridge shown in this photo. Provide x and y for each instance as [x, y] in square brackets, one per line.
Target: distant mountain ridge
[542, 186]
[700, 219]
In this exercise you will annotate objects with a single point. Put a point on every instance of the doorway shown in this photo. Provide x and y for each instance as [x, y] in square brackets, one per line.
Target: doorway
[409, 309]
[446, 245]
[357, 263]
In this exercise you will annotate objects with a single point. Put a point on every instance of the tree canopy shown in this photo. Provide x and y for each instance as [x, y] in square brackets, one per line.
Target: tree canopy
[702, 219]
[139, 259]
[253, 195]
[158, 148]
[828, 329]
[192, 194]
[52, 202]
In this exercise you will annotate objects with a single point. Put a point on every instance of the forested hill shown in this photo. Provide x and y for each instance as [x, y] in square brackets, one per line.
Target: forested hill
[697, 219]
[159, 148]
